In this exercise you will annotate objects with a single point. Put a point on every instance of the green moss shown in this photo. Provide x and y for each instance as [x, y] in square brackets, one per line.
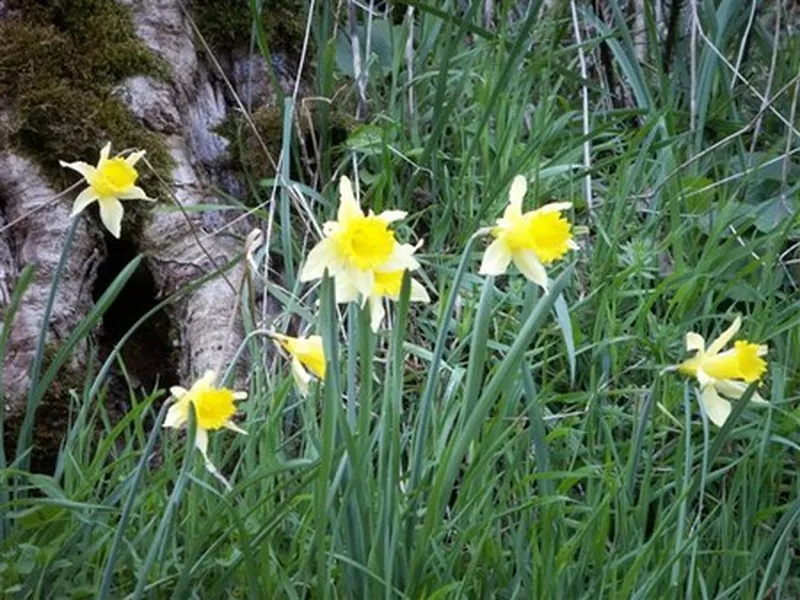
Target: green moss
[227, 24]
[246, 154]
[60, 62]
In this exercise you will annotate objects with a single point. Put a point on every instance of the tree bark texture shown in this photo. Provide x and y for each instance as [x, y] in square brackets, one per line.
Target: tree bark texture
[179, 246]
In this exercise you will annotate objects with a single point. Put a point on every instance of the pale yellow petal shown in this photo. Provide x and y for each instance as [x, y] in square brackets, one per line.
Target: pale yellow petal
[330, 227]
[84, 199]
[177, 391]
[736, 389]
[234, 427]
[495, 259]
[418, 292]
[201, 443]
[390, 216]
[301, 377]
[716, 408]
[348, 207]
[401, 259]
[530, 266]
[695, 342]
[344, 290]
[176, 415]
[111, 212]
[376, 311]
[730, 388]
[208, 378]
[240, 395]
[515, 196]
[135, 193]
[206, 381]
[135, 157]
[726, 336]
[318, 260]
[85, 169]
[554, 207]
[105, 152]
[704, 378]
[362, 280]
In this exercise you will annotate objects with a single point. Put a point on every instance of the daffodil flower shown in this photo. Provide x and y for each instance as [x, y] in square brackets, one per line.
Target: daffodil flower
[306, 353]
[112, 180]
[213, 408]
[387, 285]
[530, 240]
[723, 373]
[356, 247]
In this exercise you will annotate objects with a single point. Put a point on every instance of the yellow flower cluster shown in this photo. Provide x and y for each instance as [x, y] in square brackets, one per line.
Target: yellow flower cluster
[360, 252]
[363, 256]
[367, 263]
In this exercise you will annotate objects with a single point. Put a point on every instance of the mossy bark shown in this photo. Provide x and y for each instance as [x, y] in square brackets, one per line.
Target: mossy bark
[74, 75]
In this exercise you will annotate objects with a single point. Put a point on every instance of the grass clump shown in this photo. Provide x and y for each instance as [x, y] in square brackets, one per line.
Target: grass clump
[59, 65]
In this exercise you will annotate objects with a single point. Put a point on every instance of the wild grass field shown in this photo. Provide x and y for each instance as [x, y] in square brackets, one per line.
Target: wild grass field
[500, 440]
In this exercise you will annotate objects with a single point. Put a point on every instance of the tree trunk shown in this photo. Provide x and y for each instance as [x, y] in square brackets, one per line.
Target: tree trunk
[202, 331]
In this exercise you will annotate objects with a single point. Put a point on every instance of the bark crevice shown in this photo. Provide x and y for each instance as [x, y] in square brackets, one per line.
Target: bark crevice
[181, 106]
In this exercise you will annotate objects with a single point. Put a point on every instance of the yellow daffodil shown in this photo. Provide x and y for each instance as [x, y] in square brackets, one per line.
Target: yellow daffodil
[387, 285]
[307, 353]
[723, 373]
[112, 180]
[356, 247]
[530, 240]
[213, 408]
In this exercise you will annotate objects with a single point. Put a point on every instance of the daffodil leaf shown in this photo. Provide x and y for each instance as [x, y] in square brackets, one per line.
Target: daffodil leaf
[565, 325]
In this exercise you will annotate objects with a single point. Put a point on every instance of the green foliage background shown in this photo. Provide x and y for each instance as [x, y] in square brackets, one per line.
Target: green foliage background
[497, 443]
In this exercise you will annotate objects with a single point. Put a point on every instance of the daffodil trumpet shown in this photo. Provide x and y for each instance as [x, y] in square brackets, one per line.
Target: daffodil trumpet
[111, 180]
[214, 408]
[530, 240]
[387, 286]
[357, 248]
[723, 374]
[307, 355]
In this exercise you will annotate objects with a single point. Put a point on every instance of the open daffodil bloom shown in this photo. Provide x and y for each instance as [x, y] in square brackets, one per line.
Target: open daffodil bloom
[387, 285]
[530, 240]
[213, 409]
[307, 353]
[112, 180]
[356, 247]
[723, 373]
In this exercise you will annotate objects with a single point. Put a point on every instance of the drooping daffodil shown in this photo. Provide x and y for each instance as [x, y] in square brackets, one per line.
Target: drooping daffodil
[112, 180]
[356, 247]
[725, 373]
[387, 285]
[307, 355]
[213, 407]
[530, 240]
